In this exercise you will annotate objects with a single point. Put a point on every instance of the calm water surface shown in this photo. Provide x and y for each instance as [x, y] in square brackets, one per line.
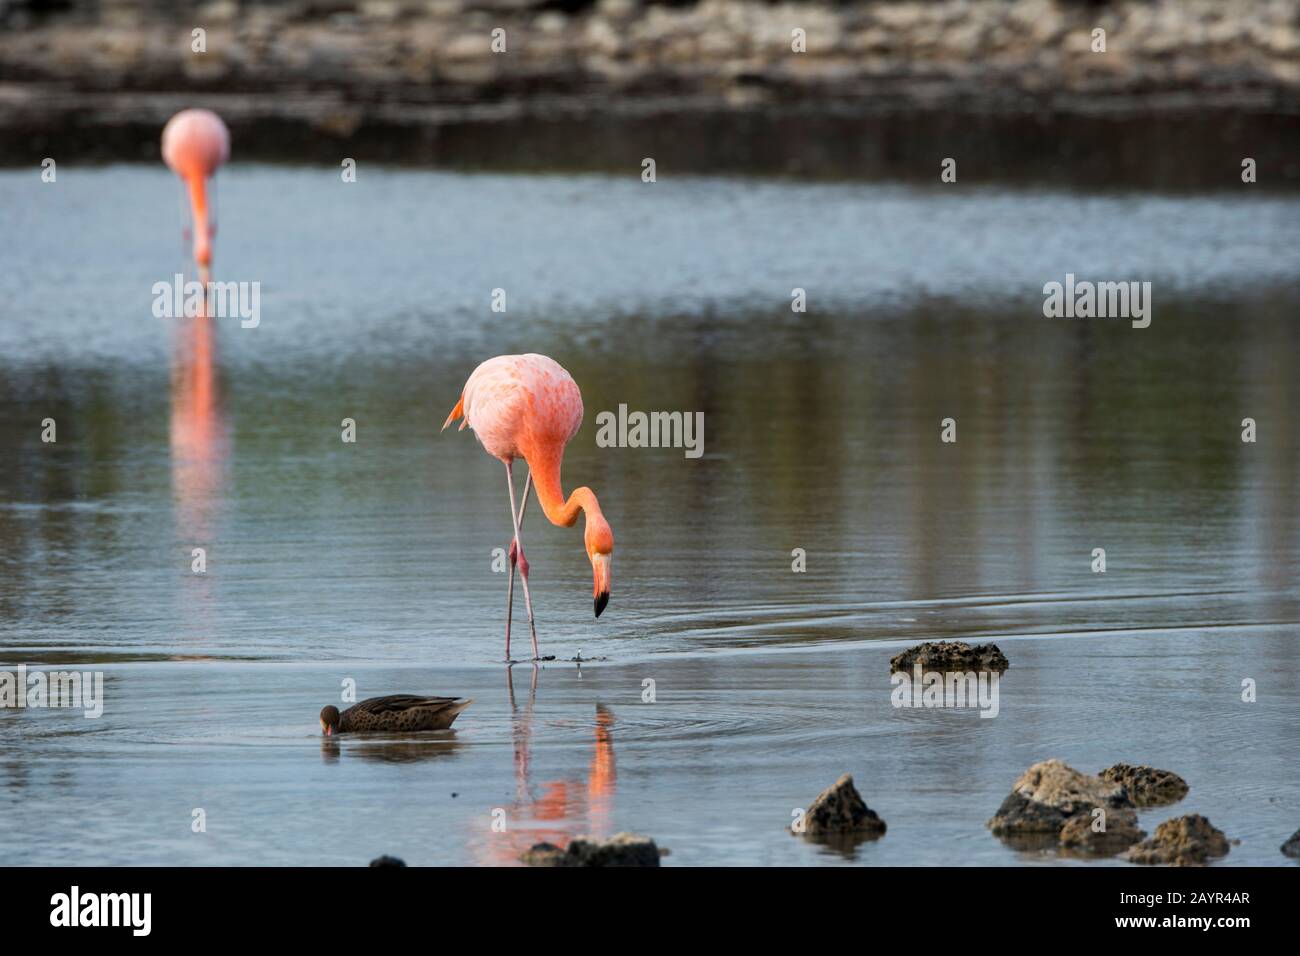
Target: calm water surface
[373, 560]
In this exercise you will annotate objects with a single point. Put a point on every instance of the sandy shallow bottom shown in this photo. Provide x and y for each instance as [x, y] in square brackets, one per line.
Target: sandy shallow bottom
[713, 768]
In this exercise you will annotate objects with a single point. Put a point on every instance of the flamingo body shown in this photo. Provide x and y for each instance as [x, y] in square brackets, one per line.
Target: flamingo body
[195, 143]
[518, 403]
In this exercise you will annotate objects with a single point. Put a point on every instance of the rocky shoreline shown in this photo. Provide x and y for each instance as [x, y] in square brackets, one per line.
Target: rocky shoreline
[884, 88]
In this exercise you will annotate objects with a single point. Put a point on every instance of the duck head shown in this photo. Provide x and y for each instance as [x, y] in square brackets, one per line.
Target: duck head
[329, 720]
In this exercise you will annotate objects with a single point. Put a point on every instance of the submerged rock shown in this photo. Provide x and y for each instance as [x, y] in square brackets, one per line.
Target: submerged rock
[545, 854]
[1147, 786]
[622, 849]
[1183, 841]
[387, 860]
[1052, 803]
[945, 656]
[1292, 846]
[840, 811]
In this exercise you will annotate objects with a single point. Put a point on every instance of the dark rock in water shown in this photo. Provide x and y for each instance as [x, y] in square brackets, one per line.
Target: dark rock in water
[622, 849]
[1147, 786]
[545, 854]
[840, 811]
[1183, 841]
[387, 861]
[1018, 814]
[1292, 846]
[1104, 834]
[947, 656]
[1054, 803]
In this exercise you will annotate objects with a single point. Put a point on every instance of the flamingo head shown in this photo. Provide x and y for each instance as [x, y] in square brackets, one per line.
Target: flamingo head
[329, 720]
[600, 550]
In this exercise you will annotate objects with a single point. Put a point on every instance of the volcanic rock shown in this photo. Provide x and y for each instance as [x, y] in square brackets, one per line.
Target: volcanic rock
[840, 811]
[1106, 833]
[1147, 786]
[1054, 803]
[947, 656]
[622, 849]
[1189, 840]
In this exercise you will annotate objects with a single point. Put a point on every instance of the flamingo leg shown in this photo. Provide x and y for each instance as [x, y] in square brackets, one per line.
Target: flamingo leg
[510, 585]
[515, 553]
[523, 565]
[517, 556]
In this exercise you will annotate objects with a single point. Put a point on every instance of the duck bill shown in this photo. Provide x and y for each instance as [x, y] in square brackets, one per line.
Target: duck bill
[600, 564]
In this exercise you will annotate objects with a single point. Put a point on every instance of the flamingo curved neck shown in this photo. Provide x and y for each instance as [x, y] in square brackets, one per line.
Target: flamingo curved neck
[550, 493]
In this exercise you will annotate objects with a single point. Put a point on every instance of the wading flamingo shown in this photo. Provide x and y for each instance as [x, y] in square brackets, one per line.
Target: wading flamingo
[529, 407]
[194, 144]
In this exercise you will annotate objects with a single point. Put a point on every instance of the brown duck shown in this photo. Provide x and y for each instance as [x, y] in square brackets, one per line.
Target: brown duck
[399, 712]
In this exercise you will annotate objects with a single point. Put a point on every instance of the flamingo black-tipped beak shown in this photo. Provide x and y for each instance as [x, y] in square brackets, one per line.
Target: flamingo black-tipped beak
[600, 566]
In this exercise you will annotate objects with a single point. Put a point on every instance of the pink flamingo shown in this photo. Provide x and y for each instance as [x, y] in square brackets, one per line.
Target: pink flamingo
[528, 406]
[194, 144]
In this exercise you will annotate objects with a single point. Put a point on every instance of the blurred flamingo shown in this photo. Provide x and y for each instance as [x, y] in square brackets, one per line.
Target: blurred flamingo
[194, 144]
[528, 406]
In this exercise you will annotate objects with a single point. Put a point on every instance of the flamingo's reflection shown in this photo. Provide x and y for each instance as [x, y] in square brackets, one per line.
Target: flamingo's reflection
[556, 810]
[199, 449]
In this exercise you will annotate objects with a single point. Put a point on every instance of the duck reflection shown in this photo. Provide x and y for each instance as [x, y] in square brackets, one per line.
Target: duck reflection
[427, 745]
[556, 810]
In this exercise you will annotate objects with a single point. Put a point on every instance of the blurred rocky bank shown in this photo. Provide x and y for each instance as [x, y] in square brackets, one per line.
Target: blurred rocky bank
[1183, 90]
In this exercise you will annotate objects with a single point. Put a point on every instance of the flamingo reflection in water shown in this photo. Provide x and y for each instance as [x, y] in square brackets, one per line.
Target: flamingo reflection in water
[199, 447]
[563, 808]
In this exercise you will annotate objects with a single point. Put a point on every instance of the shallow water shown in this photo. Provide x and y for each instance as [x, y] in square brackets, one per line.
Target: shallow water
[374, 560]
